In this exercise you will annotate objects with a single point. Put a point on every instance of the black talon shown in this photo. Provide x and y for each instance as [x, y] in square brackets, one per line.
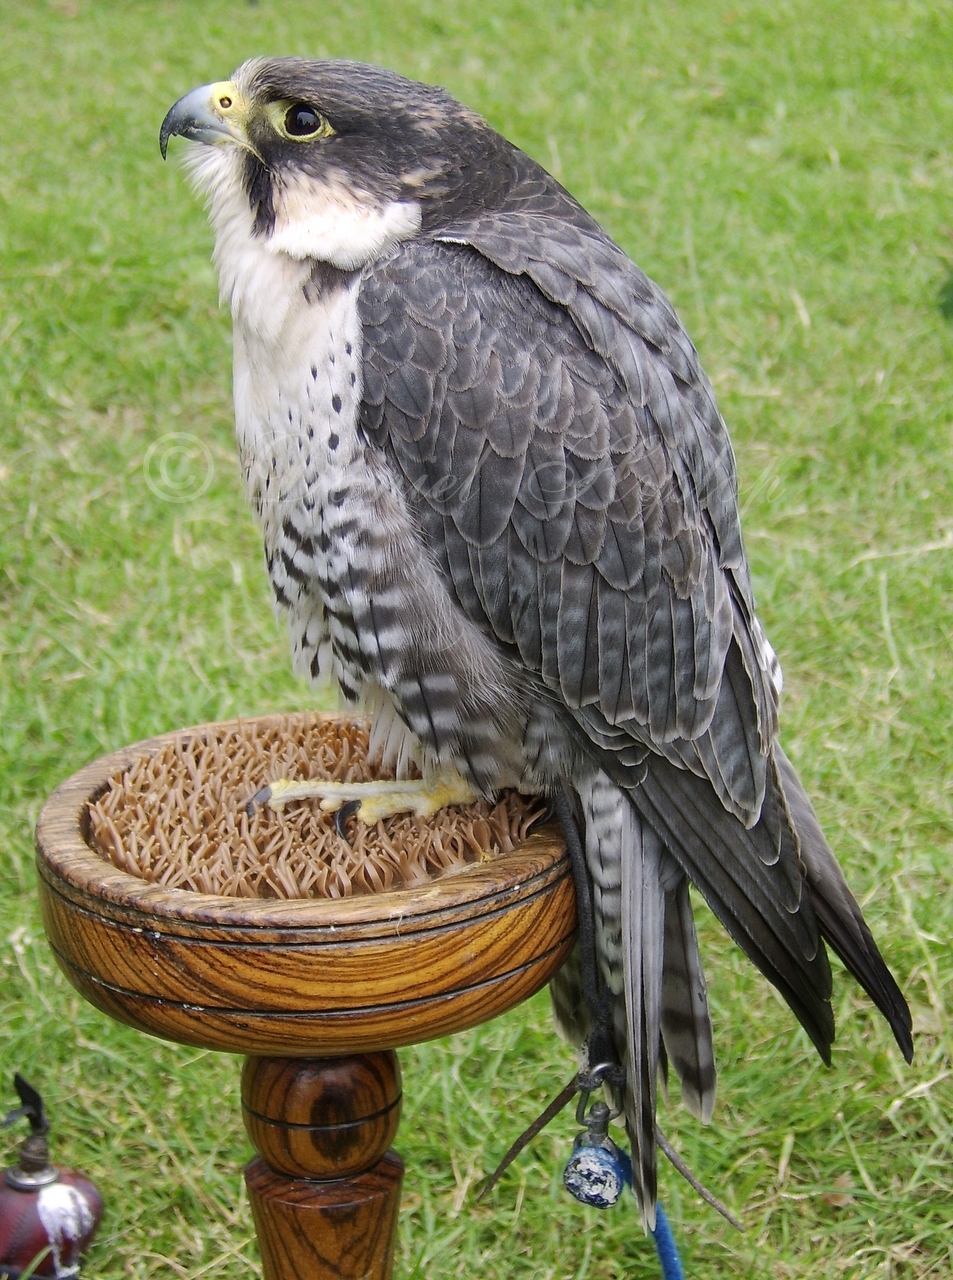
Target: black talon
[347, 810]
[542, 818]
[259, 798]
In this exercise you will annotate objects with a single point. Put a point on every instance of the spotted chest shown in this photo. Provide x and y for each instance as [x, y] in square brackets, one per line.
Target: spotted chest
[297, 392]
[297, 388]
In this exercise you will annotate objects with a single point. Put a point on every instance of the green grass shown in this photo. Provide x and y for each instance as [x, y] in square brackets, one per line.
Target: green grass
[784, 170]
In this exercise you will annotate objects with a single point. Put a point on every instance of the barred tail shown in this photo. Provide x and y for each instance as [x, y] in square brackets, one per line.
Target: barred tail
[686, 1025]
[648, 958]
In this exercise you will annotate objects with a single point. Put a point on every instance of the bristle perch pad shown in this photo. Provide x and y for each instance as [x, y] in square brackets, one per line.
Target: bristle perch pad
[177, 818]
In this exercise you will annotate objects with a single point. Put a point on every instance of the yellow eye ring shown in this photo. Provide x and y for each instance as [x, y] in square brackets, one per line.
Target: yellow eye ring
[299, 121]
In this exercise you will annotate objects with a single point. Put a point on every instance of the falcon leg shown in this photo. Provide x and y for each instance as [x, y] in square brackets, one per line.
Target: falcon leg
[372, 800]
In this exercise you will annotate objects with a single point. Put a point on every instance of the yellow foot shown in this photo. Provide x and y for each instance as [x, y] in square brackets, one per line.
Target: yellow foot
[373, 800]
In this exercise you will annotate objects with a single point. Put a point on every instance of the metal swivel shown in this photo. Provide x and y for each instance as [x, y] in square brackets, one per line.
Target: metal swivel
[598, 1170]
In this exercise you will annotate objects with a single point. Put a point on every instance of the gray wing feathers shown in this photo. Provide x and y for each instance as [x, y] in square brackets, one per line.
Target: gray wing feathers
[575, 481]
[530, 448]
[628, 321]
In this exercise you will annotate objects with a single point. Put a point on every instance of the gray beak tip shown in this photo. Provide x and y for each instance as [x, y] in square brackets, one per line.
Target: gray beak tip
[193, 117]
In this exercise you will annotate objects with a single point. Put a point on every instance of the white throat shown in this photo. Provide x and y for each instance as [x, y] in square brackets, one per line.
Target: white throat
[328, 221]
[322, 220]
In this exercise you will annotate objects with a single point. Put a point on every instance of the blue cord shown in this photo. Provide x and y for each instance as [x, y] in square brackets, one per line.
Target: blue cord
[665, 1247]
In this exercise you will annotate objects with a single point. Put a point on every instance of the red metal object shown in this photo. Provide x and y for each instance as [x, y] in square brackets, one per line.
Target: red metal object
[48, 1215]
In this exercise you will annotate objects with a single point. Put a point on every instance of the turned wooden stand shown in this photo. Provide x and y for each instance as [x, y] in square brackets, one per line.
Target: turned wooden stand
[317, 993]
[324, 1188]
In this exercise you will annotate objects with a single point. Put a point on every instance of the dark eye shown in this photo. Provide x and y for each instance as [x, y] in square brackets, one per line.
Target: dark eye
[301, 121]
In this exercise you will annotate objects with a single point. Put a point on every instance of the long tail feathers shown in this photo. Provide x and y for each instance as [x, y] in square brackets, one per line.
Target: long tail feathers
[751, 879]
[776, 887]
[686, 1025]
[643, 927]
[625, 860]
[839, 917]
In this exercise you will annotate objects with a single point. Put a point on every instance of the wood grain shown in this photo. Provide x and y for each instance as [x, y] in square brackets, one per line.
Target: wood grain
[301, 978]
[305, 987]
[324, 1118]
[326, 1194]
[341, 1230]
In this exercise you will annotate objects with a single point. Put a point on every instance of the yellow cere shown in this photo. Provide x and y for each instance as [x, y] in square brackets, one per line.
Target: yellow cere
[226, 99]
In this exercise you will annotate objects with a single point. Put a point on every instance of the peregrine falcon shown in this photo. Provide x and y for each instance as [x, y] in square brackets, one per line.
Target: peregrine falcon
[500, 509]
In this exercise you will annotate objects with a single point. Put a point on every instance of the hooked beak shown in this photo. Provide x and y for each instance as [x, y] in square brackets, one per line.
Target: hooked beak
[213, 114]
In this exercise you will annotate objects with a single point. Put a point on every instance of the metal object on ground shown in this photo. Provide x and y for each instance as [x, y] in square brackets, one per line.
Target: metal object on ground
[48, 1214]
[597, 1171]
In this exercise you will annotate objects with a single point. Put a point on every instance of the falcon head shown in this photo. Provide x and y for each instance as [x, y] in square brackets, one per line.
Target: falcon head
[336, 160]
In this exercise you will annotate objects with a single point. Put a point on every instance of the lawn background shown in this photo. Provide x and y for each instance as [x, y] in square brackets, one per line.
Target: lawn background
[784, 171]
